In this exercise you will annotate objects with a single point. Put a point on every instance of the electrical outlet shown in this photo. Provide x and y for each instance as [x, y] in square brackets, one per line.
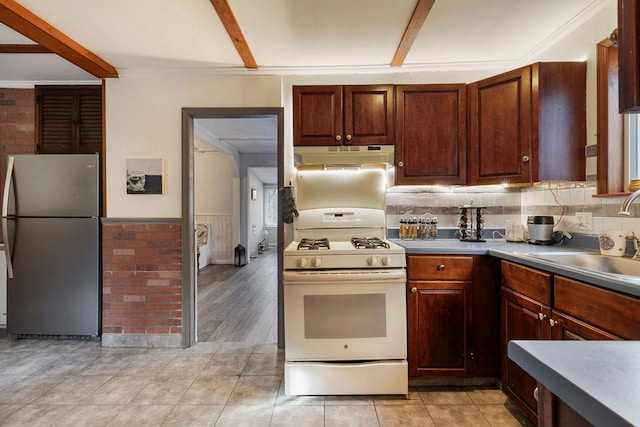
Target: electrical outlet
[585, 221]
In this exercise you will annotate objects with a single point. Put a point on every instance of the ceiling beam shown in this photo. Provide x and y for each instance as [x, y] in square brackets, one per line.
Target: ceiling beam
[233, 29]
[418, 17]
[35, 28]
[23, 48]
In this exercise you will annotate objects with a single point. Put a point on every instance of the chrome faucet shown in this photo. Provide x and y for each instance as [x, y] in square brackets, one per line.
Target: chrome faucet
[624, 210]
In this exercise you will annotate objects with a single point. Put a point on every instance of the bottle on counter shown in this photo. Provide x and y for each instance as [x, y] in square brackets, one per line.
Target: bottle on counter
[404, 225]
[423, 227]
[412, 232]
[433, 228]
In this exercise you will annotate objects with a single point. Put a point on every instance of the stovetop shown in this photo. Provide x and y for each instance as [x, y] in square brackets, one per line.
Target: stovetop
[327, 254]
[369, 243]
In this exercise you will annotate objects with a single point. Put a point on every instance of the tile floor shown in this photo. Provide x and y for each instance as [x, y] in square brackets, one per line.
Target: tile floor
[79, 383]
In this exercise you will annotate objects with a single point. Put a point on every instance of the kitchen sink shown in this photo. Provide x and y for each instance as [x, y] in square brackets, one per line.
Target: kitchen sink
[619, 266]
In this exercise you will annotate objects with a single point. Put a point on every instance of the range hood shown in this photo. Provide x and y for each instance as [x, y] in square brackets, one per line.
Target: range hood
[344, 155]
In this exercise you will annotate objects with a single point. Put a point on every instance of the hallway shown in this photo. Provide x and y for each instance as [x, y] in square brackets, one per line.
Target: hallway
[239, 304]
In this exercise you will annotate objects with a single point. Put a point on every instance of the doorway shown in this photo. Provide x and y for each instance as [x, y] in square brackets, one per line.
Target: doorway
[189, 115]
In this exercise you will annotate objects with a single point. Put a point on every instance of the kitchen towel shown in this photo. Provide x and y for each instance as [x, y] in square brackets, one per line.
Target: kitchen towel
[288, 204]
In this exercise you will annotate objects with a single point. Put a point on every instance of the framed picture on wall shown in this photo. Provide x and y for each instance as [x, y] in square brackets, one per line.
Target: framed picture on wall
[146, 176]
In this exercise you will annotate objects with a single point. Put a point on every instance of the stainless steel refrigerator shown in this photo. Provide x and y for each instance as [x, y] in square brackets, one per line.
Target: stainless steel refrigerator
[51, 230]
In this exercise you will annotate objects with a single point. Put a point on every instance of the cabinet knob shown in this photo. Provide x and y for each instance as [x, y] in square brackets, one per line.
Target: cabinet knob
[400, 164]
[338, 138]
[348, 137]
[541, 316]
[414, 290]
[525, 159]
[441, 267]
[552, 323]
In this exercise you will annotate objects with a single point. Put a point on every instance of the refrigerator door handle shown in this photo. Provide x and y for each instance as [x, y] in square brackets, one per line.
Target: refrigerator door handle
[7, 246]
[7, 188]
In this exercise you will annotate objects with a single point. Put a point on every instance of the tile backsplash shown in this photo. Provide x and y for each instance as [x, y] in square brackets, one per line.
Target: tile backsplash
[562, 200]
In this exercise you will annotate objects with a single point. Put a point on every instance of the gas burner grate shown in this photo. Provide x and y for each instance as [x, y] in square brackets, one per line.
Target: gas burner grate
[313, 244]
[369, 243]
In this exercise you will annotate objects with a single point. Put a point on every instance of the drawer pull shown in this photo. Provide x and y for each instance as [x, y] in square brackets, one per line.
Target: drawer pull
[552, 323]
[441, 267]
[414, 290]
[541, 316]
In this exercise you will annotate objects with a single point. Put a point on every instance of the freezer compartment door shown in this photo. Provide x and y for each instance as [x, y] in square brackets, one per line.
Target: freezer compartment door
[54, 185]
[56, 278]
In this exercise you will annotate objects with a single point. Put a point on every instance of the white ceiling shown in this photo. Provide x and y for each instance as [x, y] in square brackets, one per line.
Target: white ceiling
[291, 36]
[254, 135]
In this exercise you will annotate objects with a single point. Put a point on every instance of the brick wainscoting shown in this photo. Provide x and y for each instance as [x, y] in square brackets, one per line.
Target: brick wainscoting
[142, 284]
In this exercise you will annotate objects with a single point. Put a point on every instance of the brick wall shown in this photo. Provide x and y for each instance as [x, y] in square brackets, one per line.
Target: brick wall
[17, 125]
[142, 284]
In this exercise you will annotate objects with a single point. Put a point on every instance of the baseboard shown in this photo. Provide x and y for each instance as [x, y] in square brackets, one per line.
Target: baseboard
[142, 340]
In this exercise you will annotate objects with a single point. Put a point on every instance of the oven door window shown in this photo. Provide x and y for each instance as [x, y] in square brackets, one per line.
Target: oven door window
[345, 316]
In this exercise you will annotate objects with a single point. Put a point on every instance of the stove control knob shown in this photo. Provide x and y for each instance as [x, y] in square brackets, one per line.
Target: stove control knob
[316, 262]
[386, 260]
[372, 260]
[302, 262]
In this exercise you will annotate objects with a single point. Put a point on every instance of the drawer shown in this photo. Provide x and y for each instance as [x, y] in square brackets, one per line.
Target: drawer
[527, 281]
[439, 267]
[614, 312]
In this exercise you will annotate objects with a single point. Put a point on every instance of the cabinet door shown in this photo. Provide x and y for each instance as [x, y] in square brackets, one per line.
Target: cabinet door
[69, 119]
[438, 321]
[564, 327]
[317, 115]
[629, 55]
[431, 134]
[500, 148]
[522, 319]
[369, 115]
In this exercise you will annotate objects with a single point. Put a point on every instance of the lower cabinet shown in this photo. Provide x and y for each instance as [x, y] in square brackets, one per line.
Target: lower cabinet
[538, 305]
[553, 412]
[439, 315]
[523, 319]
[444, 295]
[456, 302]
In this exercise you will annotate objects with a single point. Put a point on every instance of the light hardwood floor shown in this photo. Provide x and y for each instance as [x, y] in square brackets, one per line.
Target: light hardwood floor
[239, 304]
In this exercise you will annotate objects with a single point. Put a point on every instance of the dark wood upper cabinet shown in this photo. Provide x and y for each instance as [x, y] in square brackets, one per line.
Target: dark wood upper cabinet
[343, 115]
[431, 134]
[68, 119]
[528, 125]
[629, 55]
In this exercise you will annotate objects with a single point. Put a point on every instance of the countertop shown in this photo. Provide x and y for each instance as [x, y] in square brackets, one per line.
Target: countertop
[598, 379]
[521, 253]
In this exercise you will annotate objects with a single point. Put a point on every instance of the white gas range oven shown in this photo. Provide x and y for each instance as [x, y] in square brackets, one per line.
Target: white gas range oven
[344, 305]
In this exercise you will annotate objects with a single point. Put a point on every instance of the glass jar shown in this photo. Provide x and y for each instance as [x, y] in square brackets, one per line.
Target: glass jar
[404, 225]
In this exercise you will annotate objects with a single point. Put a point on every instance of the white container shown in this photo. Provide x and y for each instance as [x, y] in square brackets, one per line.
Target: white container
[514, 231]
[613, 243]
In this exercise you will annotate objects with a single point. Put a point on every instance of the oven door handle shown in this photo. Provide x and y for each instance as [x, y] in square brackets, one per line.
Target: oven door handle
[306, 277]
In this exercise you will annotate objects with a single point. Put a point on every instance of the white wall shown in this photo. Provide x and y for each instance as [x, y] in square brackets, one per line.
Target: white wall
[214, 173]
[144, 120]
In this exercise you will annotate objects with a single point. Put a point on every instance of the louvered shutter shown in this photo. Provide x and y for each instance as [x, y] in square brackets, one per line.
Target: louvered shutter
[90, 124]
[69, 119]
